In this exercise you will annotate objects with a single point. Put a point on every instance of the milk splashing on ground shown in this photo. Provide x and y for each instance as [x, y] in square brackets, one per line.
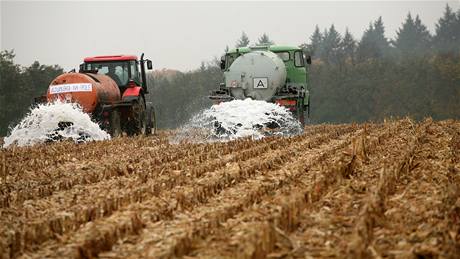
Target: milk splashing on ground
[42, 123]
[238, 119]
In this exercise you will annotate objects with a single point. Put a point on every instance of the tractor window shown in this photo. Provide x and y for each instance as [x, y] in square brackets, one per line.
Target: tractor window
[298, 59]
[103, 70]
[134, 72]
[121, 70]
[285, 56]
[118, 71]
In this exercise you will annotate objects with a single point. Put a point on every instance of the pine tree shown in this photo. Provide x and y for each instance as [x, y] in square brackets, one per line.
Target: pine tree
[457, 25]
[331, 45]
[412, 38]
[373, 44]
[447, 38]
[243, 41]
[265, 40]
[381, 41]
[366, 47]
[423, 33]
[316, 40]
[348, 47]
[322, 50]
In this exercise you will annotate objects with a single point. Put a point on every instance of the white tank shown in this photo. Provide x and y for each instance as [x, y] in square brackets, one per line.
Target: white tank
[257, 75]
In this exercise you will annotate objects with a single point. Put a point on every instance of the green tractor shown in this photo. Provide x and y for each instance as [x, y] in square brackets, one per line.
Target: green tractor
[271, 73]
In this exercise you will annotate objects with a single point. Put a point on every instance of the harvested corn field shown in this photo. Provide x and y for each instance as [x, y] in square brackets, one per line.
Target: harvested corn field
[353, 190]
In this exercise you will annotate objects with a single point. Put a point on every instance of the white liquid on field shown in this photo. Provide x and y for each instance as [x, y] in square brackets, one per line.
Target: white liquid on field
[43, 120]
[238, 119]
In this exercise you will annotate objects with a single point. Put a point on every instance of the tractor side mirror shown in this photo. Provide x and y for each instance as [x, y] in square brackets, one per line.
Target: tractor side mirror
[82, 67]
[309, 60]
[222, 63]
[149, 65]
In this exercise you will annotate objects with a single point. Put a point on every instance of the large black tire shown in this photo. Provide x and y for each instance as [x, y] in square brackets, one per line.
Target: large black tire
[151, 121]
[115, 124]
[139, 123]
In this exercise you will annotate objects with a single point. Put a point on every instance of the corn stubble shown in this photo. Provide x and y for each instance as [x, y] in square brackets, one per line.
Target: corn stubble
[388, 189]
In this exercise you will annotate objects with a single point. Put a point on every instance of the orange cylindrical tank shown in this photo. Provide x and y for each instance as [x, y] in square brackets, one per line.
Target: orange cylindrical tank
[88, 90]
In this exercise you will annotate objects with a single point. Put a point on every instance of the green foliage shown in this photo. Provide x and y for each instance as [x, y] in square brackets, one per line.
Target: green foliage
[373, 90]
[348, 48]
[413, 38]
[316, 40]
[373, 44]
[330, 47]
[447, 38]
[406, 79]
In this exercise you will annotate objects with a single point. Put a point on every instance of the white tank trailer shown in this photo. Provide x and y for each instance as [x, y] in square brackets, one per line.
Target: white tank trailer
[257, 75]
[270, 73]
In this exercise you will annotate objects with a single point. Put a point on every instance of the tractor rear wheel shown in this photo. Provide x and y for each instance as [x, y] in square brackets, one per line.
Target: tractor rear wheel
[115, 124]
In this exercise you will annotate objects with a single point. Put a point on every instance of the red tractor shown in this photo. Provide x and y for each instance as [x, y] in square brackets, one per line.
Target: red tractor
[112, 90]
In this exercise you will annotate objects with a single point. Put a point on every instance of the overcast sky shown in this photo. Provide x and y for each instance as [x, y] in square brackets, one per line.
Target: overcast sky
[179, 35]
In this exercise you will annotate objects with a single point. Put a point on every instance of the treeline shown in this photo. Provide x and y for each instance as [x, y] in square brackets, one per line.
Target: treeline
[415, 74]
[19, 85]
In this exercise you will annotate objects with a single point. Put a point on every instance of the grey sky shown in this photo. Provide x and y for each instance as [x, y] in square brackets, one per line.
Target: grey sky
[179, 35]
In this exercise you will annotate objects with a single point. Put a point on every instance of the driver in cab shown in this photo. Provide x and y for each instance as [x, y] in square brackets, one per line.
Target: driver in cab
[113, 75]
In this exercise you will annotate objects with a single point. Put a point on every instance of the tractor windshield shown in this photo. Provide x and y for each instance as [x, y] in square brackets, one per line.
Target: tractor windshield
[118, 71]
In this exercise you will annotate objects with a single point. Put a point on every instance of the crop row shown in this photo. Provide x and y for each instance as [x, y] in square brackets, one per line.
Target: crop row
[195, 188]
[256, 232]
[201, 221]
[374, 208]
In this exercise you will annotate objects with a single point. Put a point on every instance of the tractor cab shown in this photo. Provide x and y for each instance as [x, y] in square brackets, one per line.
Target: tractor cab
[125, 70]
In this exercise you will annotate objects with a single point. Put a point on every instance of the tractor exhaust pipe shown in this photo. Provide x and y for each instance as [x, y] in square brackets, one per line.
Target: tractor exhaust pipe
[144, 80]
[149, 67]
